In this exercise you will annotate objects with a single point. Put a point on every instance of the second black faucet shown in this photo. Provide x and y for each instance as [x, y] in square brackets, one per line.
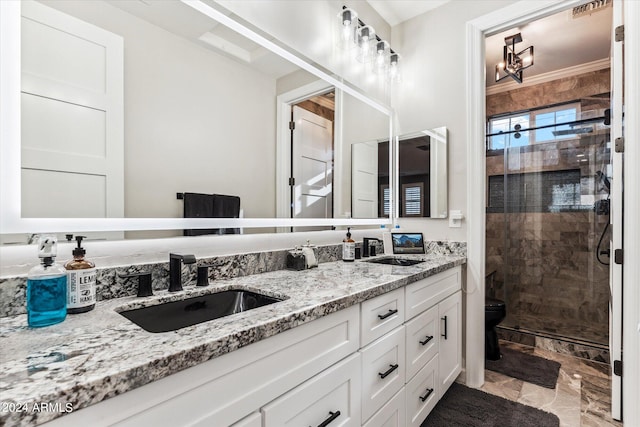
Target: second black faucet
[175, 270]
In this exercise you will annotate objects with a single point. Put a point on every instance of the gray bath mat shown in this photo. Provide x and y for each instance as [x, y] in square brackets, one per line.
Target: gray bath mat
[467, 407]
[526, 367]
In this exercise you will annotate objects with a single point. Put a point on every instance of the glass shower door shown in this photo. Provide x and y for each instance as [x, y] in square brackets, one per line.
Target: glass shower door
[547, 184]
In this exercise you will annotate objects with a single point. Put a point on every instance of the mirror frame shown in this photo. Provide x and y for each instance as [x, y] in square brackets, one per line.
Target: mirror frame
[11, 220]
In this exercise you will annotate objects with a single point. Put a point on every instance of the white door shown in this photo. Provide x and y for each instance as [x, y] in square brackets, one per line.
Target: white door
[364, 180]
[615, 270]
[312, 165]
[72, 117]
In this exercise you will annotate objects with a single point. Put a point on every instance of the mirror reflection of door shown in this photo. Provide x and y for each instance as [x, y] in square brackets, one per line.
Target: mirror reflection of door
[312, 158]
[364, 181]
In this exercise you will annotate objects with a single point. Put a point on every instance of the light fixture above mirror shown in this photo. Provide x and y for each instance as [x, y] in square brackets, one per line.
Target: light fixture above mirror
[361, 41]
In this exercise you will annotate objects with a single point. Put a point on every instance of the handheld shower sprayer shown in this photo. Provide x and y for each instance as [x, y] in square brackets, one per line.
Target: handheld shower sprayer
[602, 177]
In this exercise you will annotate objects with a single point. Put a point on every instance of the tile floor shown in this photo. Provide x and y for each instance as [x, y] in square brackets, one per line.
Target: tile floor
[581, 397]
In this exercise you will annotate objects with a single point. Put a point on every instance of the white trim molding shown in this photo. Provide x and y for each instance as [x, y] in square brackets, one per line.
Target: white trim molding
[600, 64]
[631, 266]
[501, 19]
[513, 15]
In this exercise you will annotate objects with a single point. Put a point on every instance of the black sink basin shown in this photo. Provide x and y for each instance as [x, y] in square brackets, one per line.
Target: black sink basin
[174, 315]
[396, 261]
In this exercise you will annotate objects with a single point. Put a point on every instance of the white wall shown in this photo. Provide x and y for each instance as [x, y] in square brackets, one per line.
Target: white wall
[432, 94]
[195, 121]
[309, 27]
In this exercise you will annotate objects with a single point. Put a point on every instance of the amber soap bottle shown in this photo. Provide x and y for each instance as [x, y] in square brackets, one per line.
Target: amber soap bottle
[81, 281]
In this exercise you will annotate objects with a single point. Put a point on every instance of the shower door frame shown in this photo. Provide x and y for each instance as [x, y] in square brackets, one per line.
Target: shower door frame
[476, 31]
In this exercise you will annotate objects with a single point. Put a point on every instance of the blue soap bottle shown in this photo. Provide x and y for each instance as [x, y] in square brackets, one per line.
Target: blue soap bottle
[46, 287]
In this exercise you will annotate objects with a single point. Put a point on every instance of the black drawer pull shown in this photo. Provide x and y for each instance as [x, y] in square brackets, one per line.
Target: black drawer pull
[333, 416]
[429, 338]
[389, 313]
[426, 396]
[391, 369]
[445, 327]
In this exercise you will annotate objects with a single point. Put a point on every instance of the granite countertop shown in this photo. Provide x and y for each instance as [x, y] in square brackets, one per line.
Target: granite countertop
[100, 354]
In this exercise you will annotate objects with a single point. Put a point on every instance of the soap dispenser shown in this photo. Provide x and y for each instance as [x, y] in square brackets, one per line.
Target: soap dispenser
[81, 281]
[46, 287]
[348, 248]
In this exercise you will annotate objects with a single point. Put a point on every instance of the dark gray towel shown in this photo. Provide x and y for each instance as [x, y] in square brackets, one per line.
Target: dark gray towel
[226, 207]
[197, 205]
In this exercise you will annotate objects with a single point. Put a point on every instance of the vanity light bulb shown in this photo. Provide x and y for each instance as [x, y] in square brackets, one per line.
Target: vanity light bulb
[346, 33]
[348, 23]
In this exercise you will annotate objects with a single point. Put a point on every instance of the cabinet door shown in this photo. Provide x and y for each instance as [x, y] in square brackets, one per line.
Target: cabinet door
[422, 340]
[383, 372]
[331, 398]
[450, 355]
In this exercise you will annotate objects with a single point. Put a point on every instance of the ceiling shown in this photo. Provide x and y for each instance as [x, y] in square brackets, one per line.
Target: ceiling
[398, 11]
[560, 41]
[186, 22]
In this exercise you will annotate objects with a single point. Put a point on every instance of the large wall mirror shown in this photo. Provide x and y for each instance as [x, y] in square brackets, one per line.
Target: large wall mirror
[421, 178]
[128, 106]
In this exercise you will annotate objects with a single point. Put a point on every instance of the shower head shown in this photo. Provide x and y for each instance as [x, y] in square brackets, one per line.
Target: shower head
[602, 177]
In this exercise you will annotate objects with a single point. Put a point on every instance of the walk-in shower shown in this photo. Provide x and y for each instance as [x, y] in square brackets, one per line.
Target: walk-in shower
[547, 239]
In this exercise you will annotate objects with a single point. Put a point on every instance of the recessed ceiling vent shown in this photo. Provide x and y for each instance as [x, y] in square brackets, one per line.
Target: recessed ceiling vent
[590, 7]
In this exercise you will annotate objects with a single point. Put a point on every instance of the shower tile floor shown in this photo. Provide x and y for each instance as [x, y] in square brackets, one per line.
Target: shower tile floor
[581, 397]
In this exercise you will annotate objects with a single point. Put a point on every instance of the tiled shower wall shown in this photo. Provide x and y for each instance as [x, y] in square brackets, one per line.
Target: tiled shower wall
[554, 283]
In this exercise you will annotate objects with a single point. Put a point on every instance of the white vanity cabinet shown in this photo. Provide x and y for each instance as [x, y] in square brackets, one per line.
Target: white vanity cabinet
[226, 389]
[384, 362]
[431, 353]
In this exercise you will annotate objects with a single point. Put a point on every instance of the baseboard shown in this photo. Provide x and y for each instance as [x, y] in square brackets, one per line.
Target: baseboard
[583, 349]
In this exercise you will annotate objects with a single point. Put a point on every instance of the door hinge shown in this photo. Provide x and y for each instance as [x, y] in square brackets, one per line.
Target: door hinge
[620, 145]
[617, 256]
[620, 33]
[617, 367]
[292, 181]
[292, 125]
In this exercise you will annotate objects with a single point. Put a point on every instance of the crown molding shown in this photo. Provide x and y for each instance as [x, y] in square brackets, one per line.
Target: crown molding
[600, 64]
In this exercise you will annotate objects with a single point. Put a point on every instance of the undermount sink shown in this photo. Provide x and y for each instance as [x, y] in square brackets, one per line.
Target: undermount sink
[171, 316]
[396, 261]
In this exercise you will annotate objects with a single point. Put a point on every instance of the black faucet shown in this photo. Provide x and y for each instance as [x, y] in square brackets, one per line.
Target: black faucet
[365, 246]
[175, 270]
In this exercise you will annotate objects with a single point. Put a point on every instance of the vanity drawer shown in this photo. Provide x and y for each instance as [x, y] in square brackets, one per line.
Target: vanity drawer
[425, 293]
[332, 394]
[381, 315]
[383, 372]
[392, 414]
[422, 336]
[422, 393]
[253, 420]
